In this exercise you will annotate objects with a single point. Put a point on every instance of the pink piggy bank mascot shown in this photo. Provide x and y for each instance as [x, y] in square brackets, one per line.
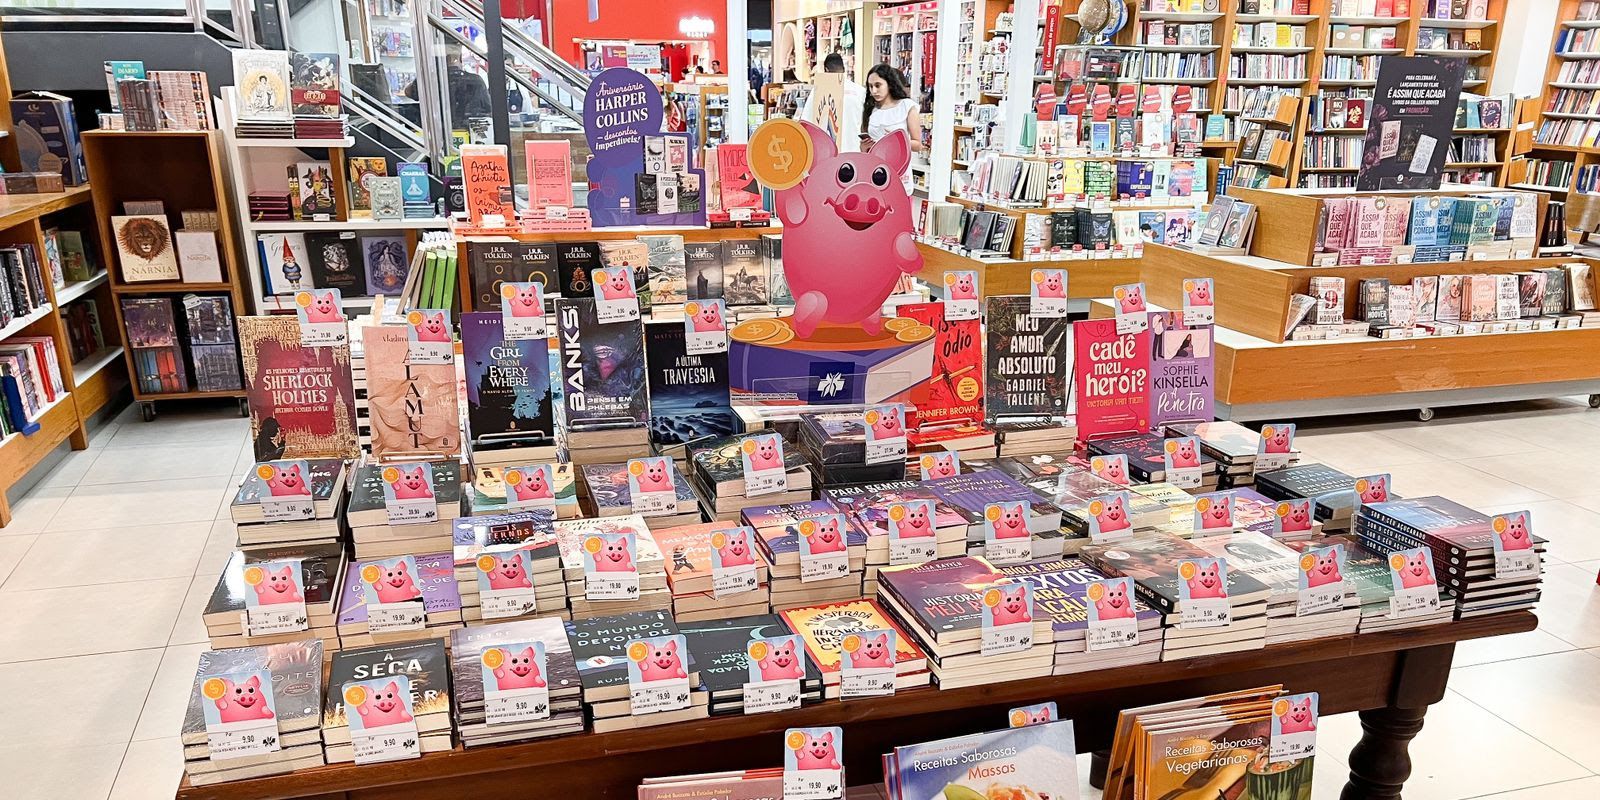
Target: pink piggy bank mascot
[847, 233]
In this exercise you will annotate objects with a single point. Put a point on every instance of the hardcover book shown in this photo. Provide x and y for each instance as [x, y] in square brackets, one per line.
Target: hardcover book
[1111, 373]
[302, 404]
[597, 646]
[412, 406]
[577, 262]
[334, 263]
[744, 272]
[1031, 761]
[688, 393]
[296, 669]
[386, 263]
[509, 402]
[262, 78]
[1027, 360]
[314, 84]
[665, 258]
[1182, 372]
[144, 248]
[703, 270]
[285, 261]
[362, 173]
[424, 663]
[954, 392]
[603, 367]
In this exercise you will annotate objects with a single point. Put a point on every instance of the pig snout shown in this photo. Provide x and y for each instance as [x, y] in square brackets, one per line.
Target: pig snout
[859, 206]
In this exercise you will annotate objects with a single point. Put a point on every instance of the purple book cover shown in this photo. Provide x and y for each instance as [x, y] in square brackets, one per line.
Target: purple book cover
[1059, 589]
[1182, 370]
[972, 491]
[869, 504]
[775, 525]
[944, 595]
[436, 576]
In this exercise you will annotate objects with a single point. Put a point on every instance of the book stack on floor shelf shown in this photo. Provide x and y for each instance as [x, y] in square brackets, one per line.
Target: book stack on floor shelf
[433, 583]
[578, 534]
[294, 671]
[778, 531]
[327, 481]
[494, 544]
[1461, 540]
[599, 647]
[424, 664]
[718, 476]
[322, 576]
[721, 647]
[691, 578]
[471, 682]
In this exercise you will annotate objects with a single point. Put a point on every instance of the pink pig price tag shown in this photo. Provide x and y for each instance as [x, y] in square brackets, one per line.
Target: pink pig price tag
[762, 458]
[383, 725]
[283, 489]
[514, 685]
[658, 679]
[866, 667]
[239, 714]
[522, 311]
[1321, 581]
[429, 338]
[705, 327]
[775, 666]
[1415, 590]
[320, 313]
[733, 562]
[813, 767]
[1006, 537]
[1007, 619]
[1203, 593]
[885, 430]
[824, 553]
[1133, 316]
[1294, 728]
[1112, 621]
[1514, 552]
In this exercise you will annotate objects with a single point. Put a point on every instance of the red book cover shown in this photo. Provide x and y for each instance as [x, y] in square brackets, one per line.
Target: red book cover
[1111, 375]
[954, 393]
[1052, 25]
[735, 182]
[302, 403]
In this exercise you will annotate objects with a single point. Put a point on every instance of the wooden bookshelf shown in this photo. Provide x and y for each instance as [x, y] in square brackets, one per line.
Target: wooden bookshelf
[1583, 208]
[1086, 278]
[185, 170]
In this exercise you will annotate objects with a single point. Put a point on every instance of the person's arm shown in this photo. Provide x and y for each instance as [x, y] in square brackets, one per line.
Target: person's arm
[914, 127]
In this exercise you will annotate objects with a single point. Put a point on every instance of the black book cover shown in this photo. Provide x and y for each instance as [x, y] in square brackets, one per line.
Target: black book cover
[688, 394]
[323, 473]
[467, 646]
[1146, 454]
[491, 264]
[336, 263]
[367, 492]
[719, 645]
[1063, 229]
[319, 569]
[577, 262]
[598, 645]
[1152, 562]
[296, 669]
[603, 367]
[1027, 359]
[702, 263]
[424, 663]
[1333, 490]
[508, 384]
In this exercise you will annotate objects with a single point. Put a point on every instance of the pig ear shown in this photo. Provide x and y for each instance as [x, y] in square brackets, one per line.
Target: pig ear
[822, 145]
[894, 149]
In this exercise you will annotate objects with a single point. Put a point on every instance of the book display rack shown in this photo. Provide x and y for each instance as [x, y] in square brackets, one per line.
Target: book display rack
[1563, 157]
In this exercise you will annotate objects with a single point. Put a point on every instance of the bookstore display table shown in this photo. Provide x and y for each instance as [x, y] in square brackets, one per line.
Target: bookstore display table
[1391, 678]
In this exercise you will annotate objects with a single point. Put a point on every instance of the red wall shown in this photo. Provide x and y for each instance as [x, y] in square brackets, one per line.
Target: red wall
[639, 20]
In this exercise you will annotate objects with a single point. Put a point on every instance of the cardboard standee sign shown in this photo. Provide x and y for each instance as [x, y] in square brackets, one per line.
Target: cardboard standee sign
[1411, 123]
[622, 118]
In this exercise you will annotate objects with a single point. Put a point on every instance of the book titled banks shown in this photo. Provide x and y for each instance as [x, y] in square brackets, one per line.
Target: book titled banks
[602, 367]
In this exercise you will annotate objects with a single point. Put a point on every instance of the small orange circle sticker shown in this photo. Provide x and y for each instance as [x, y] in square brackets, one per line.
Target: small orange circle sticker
[636, 468]
[592, 544]
[1096, 591]
[1283, 509]
[302, 299]
[1267, 430]
[808, 527]
[1499, 524]
[796, 740]
[949, 279]
[851, 643]
[1280, 708]
[967, 388]
[370, 573]
[414, 317]
[991, 598]
[992, 513]
[213, 688]
[1018, 718]
[1396, 561]
[1120, 292]
[390, 475]
[1171, 446]
[1203, 504]
[1186, 570]
[1097, 508]
[1307, 561]
[253, 575]
[507, 291]
[871, 416]
[1097, 464]
[1038, 276]
[600, 276]
[494, 657]
[719, 540]
[749, 446]
[355, 695]
[513, 476]
[486, 563]
[758, 650]
[927, 462]
[266, 471]
[1188, 286]
[897, 512]
[691, 308]
[1361, 485]
[638, 650]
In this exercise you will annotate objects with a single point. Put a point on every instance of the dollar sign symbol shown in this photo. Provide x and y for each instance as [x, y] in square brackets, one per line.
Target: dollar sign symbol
[780, 154]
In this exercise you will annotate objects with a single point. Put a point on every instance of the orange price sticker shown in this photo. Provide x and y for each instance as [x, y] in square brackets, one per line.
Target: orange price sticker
[1120, 292]
[808, 527]
[1038, 276]
[1097, 464]
[1188, 286]
[494, 657]
[390, 475]
[507, 291]
[638, 650]
[1283, 509]
[1096, 508]
[1499, 524]
[992, 513]
[370, 573]
[949, 279]
[851, 643]
[213, 688]
[600, 276]
[1170, 446]
[872, 416]
[1361, 485]
[749, 446]
[1018, 718]
[636, 468]
[486, 563]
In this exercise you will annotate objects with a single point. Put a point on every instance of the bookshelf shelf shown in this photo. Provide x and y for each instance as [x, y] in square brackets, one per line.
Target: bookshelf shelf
[1292, 19]
[348, 141]
[1467, 24]
[1179, 16]
[26, 321]
[1448, 53]
[91, 365]
[1369, 20]
[73, 291]
[1363, 51]
[357, 224]
[1283, 50]
[1540, 188]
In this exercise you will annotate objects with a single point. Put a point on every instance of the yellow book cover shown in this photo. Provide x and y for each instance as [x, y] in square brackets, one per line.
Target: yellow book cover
[824, 628]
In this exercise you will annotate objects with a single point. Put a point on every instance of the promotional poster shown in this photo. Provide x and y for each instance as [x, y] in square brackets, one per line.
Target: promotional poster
[622, 120]
[1413, 116]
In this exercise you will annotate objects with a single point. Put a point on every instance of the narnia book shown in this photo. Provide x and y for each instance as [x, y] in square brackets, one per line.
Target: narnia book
[144, 248]
[302, 404]
[1112, 376]
[603, 367]
[412, 406]
[1182, 373]
[688, 394]
[508, 385]
[1028, 360]
[954, 393]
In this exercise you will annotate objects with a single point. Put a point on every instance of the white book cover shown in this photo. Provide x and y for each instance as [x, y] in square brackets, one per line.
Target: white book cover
[262, 80]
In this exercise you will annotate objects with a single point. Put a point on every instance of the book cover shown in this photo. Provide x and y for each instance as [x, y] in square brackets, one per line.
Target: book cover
[1111, 373]
[366, 490]
[486, 180]
[334, 265]
[296, 669]
[1027, 360]
[577, 261]
[320, 568]
[362, 173]
[719, 648]
[868, 504]
[736, 183]
[144, 248]
[314, 84]
[688, 393]
[412, 406]
[665, 258]
[321, 477]
[824, 628]
[608, 489]
[720, 460]
[508, 384]
[386, 264]
[1182, 372]
[285, 262]
[703, 270]
[744, 272]
[1032, 761]
[424, 663]
[973, 491]
[942, 596]
[954, 392]
[467, 646]
[1060, 592]
[314, 187]
[597, 645]
[603, 367]
[302, 403]
[436, 578]
[777, 526]
[1152, 562]
[262, 78]
[549, 173]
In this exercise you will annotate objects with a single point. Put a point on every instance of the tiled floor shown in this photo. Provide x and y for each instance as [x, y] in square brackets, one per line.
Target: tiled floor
[112, 555]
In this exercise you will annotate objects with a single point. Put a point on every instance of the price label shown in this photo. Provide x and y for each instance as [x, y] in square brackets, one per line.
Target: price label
[391, 617]
[762, 457]
[1007, 619]
[1108, 518]
[1294, 728]
[1133, 316]
[885, 430]
[1181, 459]
[382, 726]
[657, 678]
[740, 214]
[1276, 448]
[912, 539]
[1372, 489]
[274, 601]
[505, 583]
[610, 567]
[408, 497]
[556, 212]
[812, 765]
[1111, 468]
[1514, 554]
[1037, 714]
[705, 327]
[961, 295]
[614, 296]
[522, 311]
[320, 313]
[1290, 517]
[775, 666]
[866, 668]
[1203, 593]
[1047, 293]
[531, 486]
[1113, 623]
[514, 685]
[1321, 581]
[428, 337]
[1006, 538]
[733, 562]
[392, 597]
[824, 553]
[1415, 591]
[240, 714]
[764, 696]
[940, 465]
[1213, 513]
[283, 490]
[1199, 302]
[651, 486]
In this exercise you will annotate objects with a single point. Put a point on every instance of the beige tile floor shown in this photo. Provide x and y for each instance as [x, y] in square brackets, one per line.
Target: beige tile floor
[115, 550]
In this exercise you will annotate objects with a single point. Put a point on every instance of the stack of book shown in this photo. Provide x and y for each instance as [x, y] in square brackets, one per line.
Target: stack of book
[720, 646]
[487, 492]
[593, 445]
[1152, 561]
[1029, 437]
[825, 626]
[969, 440]
[1165, 749]
[368, 517]
[868, 506]
[321, 574]
[971, 493]
[1038, 760]
[599, 647]
[441, 602]
[270, 207]
[1333, 493]
[687, 550]
[718, 474]
[531, 531]
[423, 663]
[647, 560]
[1278, 567]
[327, 494]
[1367, 573]
[940, 603]
[1147, 458]
[1075, 488]
[750, 783]
[322, 127]
[1462, 542]
[778, 538]
[603, 492]
[836, 445]
[264, 129]
[560, 678]
[1232, 445]
[296, 670]
[1060, 595]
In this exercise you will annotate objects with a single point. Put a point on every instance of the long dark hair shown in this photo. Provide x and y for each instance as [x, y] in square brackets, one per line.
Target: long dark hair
[898, 90]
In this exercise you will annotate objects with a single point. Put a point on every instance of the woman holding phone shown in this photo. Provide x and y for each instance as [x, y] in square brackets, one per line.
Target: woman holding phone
[889, 108]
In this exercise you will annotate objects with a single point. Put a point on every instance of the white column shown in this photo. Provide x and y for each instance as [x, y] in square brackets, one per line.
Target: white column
[945, 74]
[1019, 84]
[737, 117]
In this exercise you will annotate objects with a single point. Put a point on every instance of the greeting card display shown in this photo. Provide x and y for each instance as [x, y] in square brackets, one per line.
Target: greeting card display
[940, 465]
[911, 534]
[705, 329]
[610, 567]
[1007, 622]
[657, 678]
[428, 339]
[285, 490]
[391, 594]
[1320, 580]
[1112, 622]
[866, 667]
[823, 553]
[733, 563]
[1203, 593]
[321, 316]
[1415, 590]
[531, 486]
[1006, 538]
[384, 727]
[775, 666]
[276, 600]
[522, 310]
[961, 295]
[885, 430]
[505, 582]
[762, 457]
[811, 766]
[239, 714]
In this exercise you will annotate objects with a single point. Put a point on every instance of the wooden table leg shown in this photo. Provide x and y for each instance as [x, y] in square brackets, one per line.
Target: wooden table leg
[1381, 761]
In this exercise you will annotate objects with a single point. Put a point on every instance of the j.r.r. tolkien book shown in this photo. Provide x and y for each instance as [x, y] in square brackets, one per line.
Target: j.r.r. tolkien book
[665, 258]
[953, 394]
[824, 628]
[598, 646]
[634, 254]
[1032, 761]
[1027, 359]
[386, 263]
[296, 670]
[1152, 561]
[602, 367]
[302, 404]
[412, 406]
[1111, 374]
[744, 272]
[424, 663]
[336, 263]
[703, 270]
[494, 263]
[1182, 373]
[688, 393]
[577, 262]
[508, 385]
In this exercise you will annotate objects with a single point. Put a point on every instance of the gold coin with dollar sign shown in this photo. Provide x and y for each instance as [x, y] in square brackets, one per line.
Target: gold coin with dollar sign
[780, 153]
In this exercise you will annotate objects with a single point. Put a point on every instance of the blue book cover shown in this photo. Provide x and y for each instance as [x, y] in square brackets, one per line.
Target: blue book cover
[1100, 137]
[1425, 222]
[1035, 761]
[414, 188]
[688, 393]
[508, 385]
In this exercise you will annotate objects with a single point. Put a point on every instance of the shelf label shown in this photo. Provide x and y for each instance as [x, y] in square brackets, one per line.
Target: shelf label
[610, 567]
[1276, 447]
[775, 666]
[651, 487]
[762, 457]
[514, 685]
[276, 599]
[1108, 517]
[824, 554]
[1415, 591]
[382, 727]
[1113, 623]
[283, 490]
[705, 327]
[531, 486]
[912, 539]
[1133, 316]
[885, 433]
[940, 465]
[614, 296]
[392, 597]
[505, 583]
[867, 666]
[1321, 581]
[1199, 301]
[1037, 714]
[239, 714]
[1213, 512]
[1047, 293]
[428, 337]
[961, 295]
[1294, 728]
[733, 563]
[812, 769]
[408, 497]
[657, 678]
[1181, 459]
[1111, 468]
[1006, 538]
